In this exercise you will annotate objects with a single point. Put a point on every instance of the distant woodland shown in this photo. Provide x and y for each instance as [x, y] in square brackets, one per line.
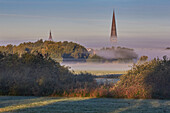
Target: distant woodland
[69, 51]
[58, 51]
[113, 54]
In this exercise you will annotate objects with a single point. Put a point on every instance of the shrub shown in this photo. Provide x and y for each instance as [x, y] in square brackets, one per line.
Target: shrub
[148, 80]
[143, 58]
[35, 75]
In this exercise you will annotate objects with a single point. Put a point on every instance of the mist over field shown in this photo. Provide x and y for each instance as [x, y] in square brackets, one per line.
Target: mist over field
[99, 66]
[116, 54]
[115, 66]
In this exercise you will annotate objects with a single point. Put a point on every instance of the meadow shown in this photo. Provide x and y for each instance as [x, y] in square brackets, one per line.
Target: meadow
[99, 72]
[28, 104]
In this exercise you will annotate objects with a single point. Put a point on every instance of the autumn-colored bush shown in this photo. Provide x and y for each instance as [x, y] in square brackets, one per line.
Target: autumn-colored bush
[148, 80]
[98, 91]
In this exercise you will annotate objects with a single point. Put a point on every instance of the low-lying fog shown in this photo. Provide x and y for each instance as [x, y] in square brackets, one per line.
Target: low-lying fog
[99, 66]
[150, 52]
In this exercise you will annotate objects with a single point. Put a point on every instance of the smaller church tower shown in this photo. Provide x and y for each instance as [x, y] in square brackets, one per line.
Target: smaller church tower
[50, 37]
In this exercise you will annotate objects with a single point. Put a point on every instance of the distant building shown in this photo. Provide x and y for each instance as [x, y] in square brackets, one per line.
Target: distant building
[50, 37]
[113, 36]
[91, 51]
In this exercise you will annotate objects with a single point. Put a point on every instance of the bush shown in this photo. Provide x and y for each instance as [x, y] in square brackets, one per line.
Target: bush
[35, 75]
[147, 80]
[143, 58]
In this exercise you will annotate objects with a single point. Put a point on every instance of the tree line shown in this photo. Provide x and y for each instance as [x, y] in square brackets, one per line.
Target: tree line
[58, 51]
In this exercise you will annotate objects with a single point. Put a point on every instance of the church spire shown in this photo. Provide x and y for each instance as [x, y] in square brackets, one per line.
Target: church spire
[113, 36]
[50, 37]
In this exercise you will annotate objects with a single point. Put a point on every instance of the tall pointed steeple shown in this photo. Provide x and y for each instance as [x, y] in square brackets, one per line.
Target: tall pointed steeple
[50, 37]
[113, 37]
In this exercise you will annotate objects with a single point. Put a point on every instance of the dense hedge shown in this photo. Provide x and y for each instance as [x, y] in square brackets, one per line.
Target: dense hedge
[35, 75]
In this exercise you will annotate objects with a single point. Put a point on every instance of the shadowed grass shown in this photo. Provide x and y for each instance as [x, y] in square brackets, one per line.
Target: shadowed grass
[82, 105]
[38, 102]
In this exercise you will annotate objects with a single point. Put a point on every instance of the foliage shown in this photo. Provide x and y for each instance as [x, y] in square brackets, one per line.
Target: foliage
[114, 48]
[58, 51]
[96, 58]
[148, 80]
[36, 75]
[143, 58]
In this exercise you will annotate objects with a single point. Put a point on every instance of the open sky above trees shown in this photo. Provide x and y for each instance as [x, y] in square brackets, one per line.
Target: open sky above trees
[85, 22]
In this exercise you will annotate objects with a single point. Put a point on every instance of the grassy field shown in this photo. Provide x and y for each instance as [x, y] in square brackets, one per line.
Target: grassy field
[102, 72]
[13, 104]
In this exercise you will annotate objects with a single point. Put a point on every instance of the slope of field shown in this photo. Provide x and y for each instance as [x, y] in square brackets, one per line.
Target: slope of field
[12, 104]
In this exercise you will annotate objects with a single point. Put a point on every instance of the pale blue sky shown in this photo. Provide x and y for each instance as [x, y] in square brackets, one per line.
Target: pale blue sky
[83, 21]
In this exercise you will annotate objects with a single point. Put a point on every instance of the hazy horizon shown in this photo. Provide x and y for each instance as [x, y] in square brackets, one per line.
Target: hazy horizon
[139, 23]
[159, 43]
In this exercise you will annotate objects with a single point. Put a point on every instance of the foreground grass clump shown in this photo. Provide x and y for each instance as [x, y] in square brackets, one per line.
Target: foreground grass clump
[147, 80]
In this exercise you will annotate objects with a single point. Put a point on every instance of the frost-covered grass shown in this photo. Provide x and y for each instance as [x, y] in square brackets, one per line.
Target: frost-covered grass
[13, 104]
[99, 72]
